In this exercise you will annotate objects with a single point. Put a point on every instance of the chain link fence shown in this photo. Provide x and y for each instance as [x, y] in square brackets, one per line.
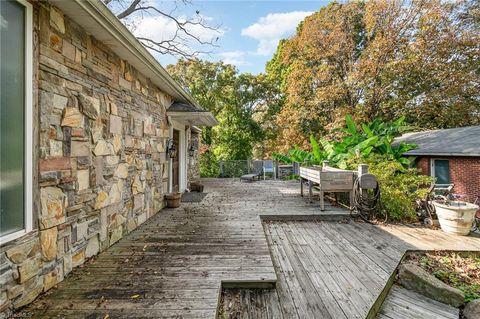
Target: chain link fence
[237, 168]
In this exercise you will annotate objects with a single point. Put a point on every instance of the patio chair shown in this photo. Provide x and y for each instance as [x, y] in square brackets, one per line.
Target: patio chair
[257, 170]
[269, 167]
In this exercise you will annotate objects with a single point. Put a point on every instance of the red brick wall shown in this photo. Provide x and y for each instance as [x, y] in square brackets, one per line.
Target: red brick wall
[464, 173]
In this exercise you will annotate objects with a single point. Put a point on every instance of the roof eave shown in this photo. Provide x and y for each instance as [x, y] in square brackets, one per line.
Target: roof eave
[441, 154]
[203, 118]
[123, 43]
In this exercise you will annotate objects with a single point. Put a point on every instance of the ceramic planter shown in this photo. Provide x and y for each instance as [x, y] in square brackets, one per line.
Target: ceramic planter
[455, 217]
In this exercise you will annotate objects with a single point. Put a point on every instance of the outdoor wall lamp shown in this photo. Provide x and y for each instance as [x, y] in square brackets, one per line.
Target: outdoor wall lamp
[171, 148]
[193, 147]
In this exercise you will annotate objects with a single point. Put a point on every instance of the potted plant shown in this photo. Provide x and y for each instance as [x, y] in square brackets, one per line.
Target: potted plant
[455, 217]
[173, 199]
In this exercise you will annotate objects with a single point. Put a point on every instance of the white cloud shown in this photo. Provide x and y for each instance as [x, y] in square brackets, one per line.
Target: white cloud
[159, 28]
[233, 57]
[270, 29]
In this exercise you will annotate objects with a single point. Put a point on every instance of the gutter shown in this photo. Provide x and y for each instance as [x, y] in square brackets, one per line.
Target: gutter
[111, 24]
[442, 154]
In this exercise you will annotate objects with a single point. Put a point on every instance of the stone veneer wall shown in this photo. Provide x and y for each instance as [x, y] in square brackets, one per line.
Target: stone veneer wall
[193, 169]
[100, 157]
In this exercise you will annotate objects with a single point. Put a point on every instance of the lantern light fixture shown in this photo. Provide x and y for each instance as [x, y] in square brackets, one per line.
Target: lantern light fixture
[171, 148]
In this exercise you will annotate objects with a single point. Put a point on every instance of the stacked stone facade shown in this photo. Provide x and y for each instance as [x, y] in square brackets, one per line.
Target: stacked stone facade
[100, 164]
[193, 169]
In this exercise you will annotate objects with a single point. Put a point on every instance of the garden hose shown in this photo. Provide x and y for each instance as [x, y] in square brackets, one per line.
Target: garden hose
[367, 203]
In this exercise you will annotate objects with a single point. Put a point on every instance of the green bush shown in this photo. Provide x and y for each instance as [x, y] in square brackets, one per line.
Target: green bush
[208, 165]
[399, 186]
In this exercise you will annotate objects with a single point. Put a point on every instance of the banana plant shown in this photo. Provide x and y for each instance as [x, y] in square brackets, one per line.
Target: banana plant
[375, 137]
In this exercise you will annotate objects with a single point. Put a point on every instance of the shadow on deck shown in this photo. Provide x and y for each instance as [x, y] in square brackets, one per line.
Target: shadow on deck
[173, 266]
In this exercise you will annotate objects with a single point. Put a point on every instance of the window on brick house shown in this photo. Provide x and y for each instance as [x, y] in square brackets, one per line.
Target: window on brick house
[441, 171]
[15, 118]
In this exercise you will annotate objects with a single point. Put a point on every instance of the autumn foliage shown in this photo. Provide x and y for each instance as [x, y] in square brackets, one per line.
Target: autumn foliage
[377, 59]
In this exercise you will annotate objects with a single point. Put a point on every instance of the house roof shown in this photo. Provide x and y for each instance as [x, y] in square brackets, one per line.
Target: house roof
[460, 141]
[183, 107]
[191, 115]
[99, 21]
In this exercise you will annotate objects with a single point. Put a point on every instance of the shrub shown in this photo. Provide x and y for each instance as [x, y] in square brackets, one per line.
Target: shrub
[399, 186]
[208, 164]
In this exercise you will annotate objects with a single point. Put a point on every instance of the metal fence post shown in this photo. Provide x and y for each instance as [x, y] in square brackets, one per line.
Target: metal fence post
[221, 167]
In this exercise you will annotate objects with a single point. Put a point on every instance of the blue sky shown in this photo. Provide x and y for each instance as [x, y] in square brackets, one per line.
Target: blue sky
[249, 30]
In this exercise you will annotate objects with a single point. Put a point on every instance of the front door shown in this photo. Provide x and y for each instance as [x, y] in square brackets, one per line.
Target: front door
[176, 162]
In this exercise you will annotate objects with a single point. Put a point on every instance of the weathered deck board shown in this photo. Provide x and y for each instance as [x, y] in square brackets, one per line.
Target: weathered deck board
[250, 303]
[177, 260]
[344, 266]
[405, 304]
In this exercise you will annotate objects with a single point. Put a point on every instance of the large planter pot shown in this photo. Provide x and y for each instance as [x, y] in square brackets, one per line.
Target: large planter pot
[455, 217]
[173, 199]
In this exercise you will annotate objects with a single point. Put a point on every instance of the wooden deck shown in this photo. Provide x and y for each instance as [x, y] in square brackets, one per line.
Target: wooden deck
[339, 269]
[174, 265]
[405, 304]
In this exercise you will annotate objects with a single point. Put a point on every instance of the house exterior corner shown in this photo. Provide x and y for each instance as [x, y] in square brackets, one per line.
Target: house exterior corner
[99, 163]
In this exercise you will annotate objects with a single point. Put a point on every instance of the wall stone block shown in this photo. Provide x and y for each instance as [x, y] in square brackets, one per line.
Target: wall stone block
[56, 20]
[20, 252]
[102, 200]
[115, 235]
[53, 203]
[68, 50]
[72, 117]
[55, 164]
[115, 124]
[137, 185]
[48, 243]
[32, 290]
[80, 148]
[93, 247]
[78, 258]
[121, 171]
[83, 179]
[103, 148]
[90, 106]
[59, 102]
[28, 269]
[50, 280]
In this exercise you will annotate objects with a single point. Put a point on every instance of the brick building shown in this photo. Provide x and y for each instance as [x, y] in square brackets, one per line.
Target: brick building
[88, 123]
[452, 156]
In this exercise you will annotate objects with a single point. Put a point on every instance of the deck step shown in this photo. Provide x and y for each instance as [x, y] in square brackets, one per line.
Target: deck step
[402, 303]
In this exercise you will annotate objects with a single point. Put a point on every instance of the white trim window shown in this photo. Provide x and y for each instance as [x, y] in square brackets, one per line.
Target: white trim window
[16, 122]
[440, 170]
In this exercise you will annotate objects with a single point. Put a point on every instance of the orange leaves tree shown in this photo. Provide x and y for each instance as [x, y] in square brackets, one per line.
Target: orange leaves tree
[378, 59]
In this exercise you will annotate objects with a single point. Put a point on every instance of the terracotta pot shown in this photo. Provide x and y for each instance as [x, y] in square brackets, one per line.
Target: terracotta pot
[455, 217]
[173, 200]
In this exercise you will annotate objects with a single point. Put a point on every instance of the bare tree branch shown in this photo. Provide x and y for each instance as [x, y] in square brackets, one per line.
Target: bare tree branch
[183, 43]
[131, 9]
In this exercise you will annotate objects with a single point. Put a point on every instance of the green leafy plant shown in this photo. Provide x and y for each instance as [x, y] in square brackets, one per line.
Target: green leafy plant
[375, 137]
[373, 144]
[400, 186]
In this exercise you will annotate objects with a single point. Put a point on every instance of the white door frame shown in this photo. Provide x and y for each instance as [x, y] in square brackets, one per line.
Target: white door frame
[182, 153]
